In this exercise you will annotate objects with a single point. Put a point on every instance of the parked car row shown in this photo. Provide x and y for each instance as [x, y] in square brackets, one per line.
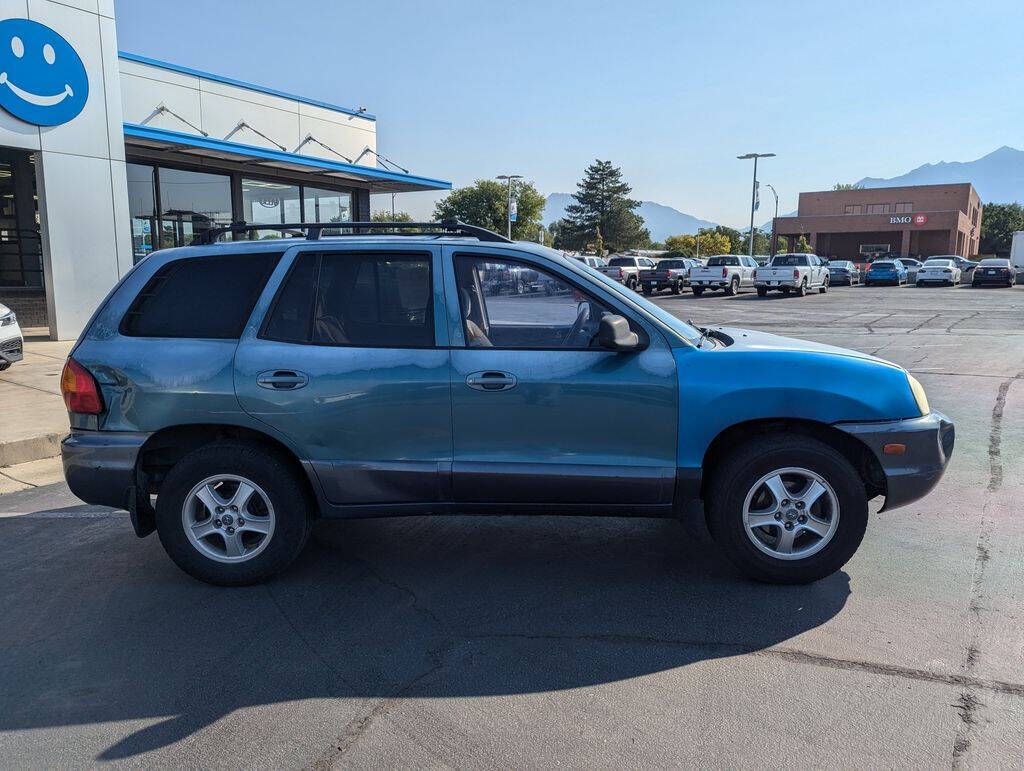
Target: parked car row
[797, 273]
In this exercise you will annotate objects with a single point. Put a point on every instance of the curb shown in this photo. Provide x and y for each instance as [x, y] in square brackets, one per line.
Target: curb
[32, 448]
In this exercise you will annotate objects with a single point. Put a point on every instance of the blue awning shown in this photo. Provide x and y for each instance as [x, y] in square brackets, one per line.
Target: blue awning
[378, 180]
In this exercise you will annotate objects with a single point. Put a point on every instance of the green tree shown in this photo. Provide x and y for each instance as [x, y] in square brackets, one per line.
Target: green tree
[847, 186]
[711, 242]
[384, 215]
[998, 222]
[485, 204]
[602, 203]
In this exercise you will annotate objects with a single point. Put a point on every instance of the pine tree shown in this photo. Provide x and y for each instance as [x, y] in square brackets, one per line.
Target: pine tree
[603, 204]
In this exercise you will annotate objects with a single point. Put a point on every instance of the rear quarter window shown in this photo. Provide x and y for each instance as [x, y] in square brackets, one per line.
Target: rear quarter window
[200, 297]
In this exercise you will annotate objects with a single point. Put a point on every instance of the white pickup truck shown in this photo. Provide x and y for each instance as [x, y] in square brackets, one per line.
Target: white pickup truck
[793, 272]
[730, 272]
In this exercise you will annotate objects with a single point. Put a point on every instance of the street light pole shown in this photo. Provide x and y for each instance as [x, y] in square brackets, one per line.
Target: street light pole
[508, 209]
[771, 247]
[753, 192]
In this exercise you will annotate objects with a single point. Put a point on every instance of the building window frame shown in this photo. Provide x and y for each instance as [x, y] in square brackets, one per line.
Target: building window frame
[235, 182]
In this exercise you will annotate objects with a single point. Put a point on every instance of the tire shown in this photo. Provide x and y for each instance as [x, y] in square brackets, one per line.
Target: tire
[631, 284]
[824, 286]
[677, 286]
[4, 365]
[786, 290]
[733, 288]
[289, 517]
[802, 290]
[737, 478]
[648, 290]
[919, 284]
[762, 292]
[697, 291]
[520, 287]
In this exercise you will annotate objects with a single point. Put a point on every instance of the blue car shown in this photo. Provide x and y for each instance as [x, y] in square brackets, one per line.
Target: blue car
[886, 272]
[250, 388]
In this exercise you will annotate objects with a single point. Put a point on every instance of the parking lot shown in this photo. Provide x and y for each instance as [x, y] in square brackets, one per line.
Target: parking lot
[535, 642]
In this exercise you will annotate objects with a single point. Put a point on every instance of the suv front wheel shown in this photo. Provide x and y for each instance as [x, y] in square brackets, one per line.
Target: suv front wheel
[787, 509]
[232, 514]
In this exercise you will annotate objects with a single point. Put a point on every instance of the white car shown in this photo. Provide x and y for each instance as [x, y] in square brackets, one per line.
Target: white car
[939, 270]
[11, 341]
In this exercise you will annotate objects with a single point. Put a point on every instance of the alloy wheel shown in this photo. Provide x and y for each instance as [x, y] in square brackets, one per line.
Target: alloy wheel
[791, 513]
[228, 518]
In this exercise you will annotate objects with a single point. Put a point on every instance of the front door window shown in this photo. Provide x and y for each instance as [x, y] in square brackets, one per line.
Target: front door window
[507, 304]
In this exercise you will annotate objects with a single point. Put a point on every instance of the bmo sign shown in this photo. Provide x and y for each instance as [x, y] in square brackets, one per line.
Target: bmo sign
[907, 219]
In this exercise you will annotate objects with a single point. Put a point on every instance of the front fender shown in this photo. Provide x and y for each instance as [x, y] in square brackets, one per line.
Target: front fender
[720, 388]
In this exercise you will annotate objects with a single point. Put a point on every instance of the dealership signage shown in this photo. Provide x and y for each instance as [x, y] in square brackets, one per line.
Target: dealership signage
[906, 219]
[42, 78]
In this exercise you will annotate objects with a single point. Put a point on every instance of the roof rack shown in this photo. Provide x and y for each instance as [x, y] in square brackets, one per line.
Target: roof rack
[311, 230]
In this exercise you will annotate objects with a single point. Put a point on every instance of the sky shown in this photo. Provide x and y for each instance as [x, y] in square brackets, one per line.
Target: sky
[671, 92]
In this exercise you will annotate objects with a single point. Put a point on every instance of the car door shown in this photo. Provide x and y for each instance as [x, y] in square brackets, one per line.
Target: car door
[347, 360]
[542, 417]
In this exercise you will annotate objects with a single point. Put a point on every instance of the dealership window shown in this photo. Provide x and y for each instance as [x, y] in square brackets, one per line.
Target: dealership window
[21, 260]
[852, 208]
[142, 208]
[321, 205]
[270, 203]
[190, 203]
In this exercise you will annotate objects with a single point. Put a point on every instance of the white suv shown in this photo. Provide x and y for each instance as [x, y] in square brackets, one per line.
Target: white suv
[11, 341]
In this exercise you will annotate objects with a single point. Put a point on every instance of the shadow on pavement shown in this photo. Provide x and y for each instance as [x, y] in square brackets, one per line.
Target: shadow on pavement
[99, 626]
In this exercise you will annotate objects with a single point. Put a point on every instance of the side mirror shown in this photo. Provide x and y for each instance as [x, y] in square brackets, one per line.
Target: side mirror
[615, 335]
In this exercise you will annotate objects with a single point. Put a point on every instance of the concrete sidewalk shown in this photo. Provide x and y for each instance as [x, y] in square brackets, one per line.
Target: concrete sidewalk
[32, 415]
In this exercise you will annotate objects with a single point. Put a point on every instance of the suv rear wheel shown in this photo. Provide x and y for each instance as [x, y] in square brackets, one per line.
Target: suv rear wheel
[787, 509]
[232, 514]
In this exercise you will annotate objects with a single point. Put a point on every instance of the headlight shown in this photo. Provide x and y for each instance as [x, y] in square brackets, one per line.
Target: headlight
[919, 396]
[7, 319]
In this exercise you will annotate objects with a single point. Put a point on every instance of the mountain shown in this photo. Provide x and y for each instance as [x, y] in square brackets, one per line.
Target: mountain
[998, 177]
[662, 221]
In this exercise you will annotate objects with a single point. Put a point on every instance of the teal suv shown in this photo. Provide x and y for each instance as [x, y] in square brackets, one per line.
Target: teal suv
[229, 394]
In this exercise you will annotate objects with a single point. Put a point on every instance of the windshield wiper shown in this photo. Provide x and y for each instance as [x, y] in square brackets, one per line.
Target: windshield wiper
[703, 333]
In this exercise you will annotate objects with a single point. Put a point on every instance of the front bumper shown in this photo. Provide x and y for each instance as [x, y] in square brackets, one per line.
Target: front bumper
[99, 466]
[912, 475]
[11, 348]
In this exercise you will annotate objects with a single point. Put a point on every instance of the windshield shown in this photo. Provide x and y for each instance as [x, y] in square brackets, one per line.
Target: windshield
[717, 262]
[883, 265]
[995, 263]
[840, 264]
[790, 259]
[938, 264]
[628, 261]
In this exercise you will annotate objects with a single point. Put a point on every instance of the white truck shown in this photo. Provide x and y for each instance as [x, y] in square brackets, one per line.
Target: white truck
[792, 272]
[729, 272]
[1017, 255]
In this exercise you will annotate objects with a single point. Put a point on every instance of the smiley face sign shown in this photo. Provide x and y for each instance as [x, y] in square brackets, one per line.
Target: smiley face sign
[42, 78]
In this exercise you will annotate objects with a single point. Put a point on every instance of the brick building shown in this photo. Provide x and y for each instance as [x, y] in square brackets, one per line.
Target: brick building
[919, 220]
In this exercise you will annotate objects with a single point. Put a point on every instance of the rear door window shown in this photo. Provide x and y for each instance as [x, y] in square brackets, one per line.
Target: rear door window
[355, 299]
[200, 297]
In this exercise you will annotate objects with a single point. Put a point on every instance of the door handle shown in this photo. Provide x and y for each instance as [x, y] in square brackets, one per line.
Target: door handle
[491, 380]
[282, 379]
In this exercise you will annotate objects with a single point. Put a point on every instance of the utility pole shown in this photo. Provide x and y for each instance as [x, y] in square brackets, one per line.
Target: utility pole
[753, 193]
[771, 247]
[508, 210]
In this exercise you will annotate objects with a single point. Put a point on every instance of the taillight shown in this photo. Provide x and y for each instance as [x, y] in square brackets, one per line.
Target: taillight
[796, 273]
[79, 389]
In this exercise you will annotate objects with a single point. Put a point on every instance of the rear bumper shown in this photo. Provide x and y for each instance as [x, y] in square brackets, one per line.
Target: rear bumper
[99, 466]
[776, 283]
[929, 444]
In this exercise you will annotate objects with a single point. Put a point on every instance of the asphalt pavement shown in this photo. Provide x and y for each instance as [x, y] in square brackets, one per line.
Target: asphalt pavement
[535, 642]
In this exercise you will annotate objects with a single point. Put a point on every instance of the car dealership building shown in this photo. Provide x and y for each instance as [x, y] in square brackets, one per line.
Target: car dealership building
[919, 220]
[106, 156]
